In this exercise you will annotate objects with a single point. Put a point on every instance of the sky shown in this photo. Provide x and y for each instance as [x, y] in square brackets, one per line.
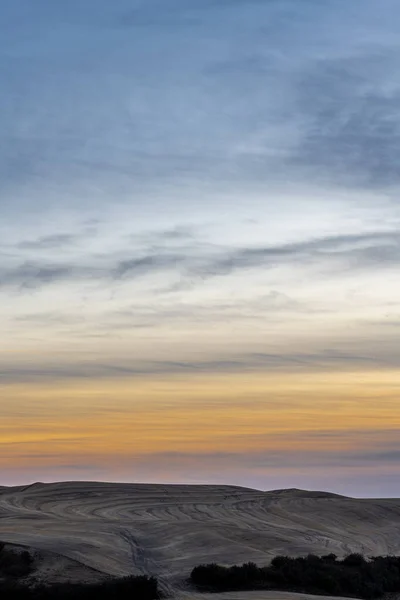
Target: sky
[199, 240]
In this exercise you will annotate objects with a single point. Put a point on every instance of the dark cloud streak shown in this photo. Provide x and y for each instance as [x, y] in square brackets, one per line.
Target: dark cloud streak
[351, 252]
[240, 363]
[50, 242]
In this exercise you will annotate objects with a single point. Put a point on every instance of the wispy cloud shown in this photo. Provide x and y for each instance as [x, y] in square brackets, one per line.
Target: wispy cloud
[351, 119]
[301, 361]
[50, 242]
[351, 252]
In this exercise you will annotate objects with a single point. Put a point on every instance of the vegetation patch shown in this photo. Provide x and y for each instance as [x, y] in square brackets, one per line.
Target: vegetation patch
[354, 576]
[127, 588]
[17, 565]
[14, 563]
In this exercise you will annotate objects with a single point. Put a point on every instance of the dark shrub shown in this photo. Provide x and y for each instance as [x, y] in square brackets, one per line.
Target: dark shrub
[354, 560]
[330, 558]
[354, 576]
[280, 562]
[14, 563]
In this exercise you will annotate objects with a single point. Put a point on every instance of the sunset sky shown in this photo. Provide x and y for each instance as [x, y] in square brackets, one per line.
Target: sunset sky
[199, 239]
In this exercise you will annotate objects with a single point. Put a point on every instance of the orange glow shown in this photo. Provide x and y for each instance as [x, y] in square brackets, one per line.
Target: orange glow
[111, 420]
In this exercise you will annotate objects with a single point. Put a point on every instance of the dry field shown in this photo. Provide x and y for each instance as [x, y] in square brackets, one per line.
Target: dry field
[88, 529]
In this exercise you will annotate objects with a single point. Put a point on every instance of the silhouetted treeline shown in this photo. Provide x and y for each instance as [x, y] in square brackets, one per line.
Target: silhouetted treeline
[127, 588]
[326, 575]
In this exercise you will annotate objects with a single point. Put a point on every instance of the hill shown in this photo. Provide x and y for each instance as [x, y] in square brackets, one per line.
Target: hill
[165, 530]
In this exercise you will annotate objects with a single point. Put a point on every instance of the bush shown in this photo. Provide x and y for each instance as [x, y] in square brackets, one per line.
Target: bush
[14, 564]
[353, 576]
[354, 560]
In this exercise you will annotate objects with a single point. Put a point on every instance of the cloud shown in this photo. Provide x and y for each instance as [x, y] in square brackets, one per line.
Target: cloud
[32, 275]
[251, 362]
[179, 234]
[350, 120]
[352, 252]
[295, 456]
[388, 457]
[50, 242]
[48, 318]
[146, 264]
[283, 107]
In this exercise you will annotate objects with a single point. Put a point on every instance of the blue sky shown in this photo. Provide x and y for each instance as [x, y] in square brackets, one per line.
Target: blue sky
[199, 187]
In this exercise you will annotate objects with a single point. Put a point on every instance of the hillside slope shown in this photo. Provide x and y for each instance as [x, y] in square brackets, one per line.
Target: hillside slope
[165, 530]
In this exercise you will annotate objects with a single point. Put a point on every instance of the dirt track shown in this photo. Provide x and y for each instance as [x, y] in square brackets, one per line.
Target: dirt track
[165, 530]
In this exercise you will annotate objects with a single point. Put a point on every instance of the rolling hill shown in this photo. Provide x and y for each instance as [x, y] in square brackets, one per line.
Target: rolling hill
[89, 529]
